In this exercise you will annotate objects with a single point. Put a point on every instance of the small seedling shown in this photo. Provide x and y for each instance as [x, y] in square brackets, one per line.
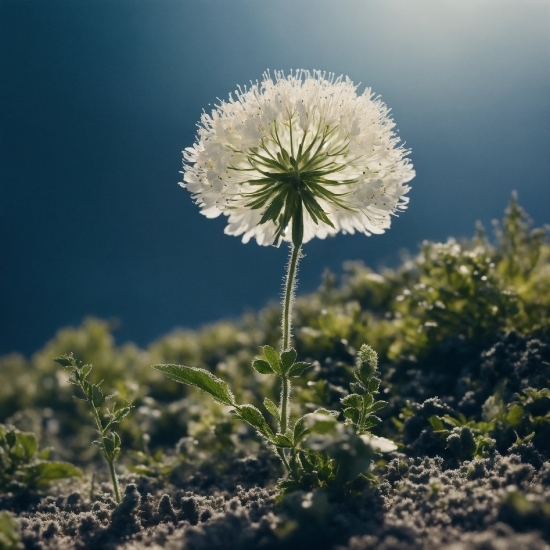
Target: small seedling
[109, 440]
[360, 405]
[23, 466]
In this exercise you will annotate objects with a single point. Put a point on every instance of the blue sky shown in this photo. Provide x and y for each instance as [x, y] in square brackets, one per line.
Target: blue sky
[98, 98]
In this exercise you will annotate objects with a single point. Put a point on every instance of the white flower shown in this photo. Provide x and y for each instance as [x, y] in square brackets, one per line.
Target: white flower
[298, 156]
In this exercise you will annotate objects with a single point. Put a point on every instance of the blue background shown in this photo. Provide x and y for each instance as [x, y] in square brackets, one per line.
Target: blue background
[98, 98]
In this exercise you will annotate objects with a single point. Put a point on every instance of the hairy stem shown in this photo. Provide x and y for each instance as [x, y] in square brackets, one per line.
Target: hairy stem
[288, 299]
[285, 402]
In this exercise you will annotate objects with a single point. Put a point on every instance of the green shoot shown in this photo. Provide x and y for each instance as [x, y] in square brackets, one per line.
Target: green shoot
[109, 440]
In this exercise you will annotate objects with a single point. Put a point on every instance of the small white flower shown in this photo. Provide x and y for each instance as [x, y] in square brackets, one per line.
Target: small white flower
[298, 156]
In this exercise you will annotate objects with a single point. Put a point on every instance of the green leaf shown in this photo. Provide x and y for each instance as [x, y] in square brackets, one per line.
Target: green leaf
[374, 384]
[357, 387]
[298, 369]
[11, 438]
[288, 357]
[255, 418]
[377, 406]
[65, 360]
[201, 379]
[273, 358]
[352, 414]
[261, 366]
[85, 370]
[96, 396]
[50, 471]
[121, 414]
[369, 398]
[282, 440]
[274, 209]
[437, 424]
[352, 400]
[26, 445]
[272, 408]
[514, 416]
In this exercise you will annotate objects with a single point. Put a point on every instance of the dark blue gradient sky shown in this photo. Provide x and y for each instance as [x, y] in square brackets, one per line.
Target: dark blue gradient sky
[99, 97]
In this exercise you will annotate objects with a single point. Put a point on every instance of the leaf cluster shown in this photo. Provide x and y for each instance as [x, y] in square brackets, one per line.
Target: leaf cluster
[23, 466]
[360, 406]
[105, 418]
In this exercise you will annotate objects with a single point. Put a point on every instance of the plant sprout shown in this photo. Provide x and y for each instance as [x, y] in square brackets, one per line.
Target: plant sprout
[109, 440]
[291, 158]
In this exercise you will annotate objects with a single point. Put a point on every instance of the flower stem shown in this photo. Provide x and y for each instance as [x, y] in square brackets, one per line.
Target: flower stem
[290, 285]
[288, 300]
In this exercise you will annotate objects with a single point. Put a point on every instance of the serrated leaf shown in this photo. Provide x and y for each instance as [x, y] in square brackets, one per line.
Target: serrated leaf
[288, 357]
[50, 471]
[352, 414]
[377, 406]
[307, 464]
[121, 414]
[272, 408]
[282, 440]
[255, 418]
[273, 358]
[261, 366]
[65, 360]
[201, 379]
[298, 369]
[374, 384]
[86, 369]
[352, 400]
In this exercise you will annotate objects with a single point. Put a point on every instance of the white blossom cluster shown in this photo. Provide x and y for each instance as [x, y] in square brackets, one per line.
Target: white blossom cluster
[302, 148]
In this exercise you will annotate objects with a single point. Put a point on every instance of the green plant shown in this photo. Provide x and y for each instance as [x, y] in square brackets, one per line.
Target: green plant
[9, 536]
[23, 466]
[316, 450]
[109, 441]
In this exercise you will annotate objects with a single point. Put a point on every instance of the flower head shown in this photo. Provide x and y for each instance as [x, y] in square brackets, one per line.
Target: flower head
[298, 156]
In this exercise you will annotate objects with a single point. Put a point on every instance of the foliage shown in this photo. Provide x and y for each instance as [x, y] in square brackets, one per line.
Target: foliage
[9, 536]
[430, 320]
[109, 441]
[23, 466]
[317, 451]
